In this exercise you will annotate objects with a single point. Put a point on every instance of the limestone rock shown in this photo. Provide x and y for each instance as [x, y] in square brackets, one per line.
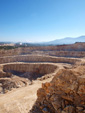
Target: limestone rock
[64, 94]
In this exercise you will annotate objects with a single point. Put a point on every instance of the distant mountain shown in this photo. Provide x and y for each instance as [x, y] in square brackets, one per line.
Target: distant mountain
[67, 40]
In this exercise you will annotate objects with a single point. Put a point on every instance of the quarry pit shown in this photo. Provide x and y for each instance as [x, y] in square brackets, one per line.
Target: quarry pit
[21, 75]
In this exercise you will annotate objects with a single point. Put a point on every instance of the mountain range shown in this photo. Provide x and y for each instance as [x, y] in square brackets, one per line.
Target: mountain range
[67, 40]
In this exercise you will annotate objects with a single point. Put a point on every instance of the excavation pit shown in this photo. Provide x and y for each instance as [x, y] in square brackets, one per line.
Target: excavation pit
[31, 71]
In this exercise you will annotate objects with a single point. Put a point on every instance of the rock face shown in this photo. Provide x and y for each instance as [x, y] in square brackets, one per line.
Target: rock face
[64, 94]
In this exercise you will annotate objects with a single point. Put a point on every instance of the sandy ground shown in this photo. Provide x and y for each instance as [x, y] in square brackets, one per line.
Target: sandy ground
[22, 99]
[19, 100]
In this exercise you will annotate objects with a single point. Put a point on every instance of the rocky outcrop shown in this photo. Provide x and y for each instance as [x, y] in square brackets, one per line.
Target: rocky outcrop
[64, 94]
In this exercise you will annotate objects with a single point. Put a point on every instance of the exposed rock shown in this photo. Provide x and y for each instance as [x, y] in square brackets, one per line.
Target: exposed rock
[69, 109]
[64, 94]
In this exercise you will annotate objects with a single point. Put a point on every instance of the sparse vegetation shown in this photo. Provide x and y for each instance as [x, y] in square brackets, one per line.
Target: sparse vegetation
[8, 47]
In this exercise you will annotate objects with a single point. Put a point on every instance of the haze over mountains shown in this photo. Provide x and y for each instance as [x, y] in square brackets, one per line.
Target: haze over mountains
[67, 40]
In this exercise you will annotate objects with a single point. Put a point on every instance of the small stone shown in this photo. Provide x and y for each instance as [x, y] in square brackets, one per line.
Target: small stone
[69, 109]
[45, 110]
[81, 89]
[63, 112]
[67, 98]
[79, 108]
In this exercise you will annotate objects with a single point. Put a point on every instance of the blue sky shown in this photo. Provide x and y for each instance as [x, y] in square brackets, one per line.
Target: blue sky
[41, 20]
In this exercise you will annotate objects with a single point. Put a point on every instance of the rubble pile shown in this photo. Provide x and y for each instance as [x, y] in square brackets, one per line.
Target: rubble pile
[64, 94]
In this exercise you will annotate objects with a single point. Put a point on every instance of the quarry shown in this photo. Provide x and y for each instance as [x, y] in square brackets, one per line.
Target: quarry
[45, 79]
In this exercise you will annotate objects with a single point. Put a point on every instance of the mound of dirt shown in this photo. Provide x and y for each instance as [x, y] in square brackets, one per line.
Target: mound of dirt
[7, 84]
[64, 94]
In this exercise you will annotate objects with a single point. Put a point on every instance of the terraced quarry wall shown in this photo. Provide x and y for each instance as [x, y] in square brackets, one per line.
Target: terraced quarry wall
[37, 68]
[37, 58]
[77, 54]
[72, 50]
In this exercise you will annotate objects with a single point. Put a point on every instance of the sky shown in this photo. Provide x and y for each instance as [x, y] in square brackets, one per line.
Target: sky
[41, 20]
